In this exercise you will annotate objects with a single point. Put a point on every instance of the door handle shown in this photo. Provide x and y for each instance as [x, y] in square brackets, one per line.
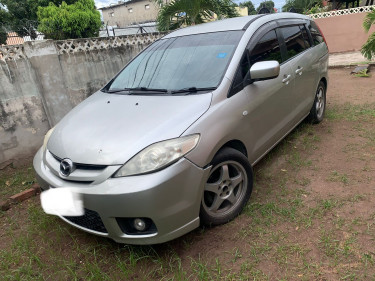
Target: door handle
[286, 79]
[299, 70]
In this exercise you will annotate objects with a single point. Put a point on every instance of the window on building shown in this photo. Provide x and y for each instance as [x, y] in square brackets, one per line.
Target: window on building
[147, 6]
[130, 10]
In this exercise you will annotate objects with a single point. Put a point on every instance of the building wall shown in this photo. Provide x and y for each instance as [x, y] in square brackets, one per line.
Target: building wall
[344, 33]
[125, 14]
[41, 81]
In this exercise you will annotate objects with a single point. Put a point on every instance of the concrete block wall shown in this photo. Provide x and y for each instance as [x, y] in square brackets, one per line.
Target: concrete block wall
[41, 81]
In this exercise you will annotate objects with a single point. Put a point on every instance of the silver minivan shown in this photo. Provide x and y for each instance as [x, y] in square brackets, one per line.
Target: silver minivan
[169, 143]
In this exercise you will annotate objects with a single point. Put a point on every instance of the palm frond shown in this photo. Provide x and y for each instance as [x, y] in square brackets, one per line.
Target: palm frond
[189, 12]
[369, 20]
[368, 49]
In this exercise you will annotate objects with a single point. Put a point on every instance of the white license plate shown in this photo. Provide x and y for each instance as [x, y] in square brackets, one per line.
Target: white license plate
[62, 202]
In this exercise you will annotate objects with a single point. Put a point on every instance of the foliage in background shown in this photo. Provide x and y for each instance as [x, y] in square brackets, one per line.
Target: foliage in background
[368, 49]
[22, 14]
[4, 19]
[160, 2]
[301, 6]
[250, 7]
[190, 12]
[317, 9]
[78, 20]
[266, 4]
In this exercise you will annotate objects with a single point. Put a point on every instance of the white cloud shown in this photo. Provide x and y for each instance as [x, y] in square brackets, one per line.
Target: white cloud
[102, 3]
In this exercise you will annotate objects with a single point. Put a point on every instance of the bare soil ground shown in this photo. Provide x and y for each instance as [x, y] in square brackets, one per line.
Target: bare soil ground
[311, 216]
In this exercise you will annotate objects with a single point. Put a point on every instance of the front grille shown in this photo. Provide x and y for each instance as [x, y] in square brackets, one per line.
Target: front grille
[80, 166]
[90, 220]
[73, 181]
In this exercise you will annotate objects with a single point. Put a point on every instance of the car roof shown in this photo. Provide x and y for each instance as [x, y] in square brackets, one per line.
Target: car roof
[239, 23]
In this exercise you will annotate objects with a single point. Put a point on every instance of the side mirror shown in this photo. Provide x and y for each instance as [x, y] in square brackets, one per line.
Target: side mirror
[264, 70]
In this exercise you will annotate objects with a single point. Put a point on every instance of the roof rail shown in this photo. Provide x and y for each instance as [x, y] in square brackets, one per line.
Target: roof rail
[252, 20]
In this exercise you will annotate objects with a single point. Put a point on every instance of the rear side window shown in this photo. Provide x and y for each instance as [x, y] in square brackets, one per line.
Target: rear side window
[315, 33]
[267, 48]
[294, 41]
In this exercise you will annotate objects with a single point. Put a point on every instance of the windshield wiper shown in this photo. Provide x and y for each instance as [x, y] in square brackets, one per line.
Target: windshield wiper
[144, 89]
[193, 90]
[137, 89]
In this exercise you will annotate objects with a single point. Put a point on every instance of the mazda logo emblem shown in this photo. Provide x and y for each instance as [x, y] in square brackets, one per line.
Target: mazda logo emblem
[66, 167]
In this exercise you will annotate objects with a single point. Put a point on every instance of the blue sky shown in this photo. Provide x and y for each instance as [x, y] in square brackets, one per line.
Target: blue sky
[278, 3]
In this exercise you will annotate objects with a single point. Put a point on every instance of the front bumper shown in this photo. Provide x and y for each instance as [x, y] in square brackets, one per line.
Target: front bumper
[170, 198]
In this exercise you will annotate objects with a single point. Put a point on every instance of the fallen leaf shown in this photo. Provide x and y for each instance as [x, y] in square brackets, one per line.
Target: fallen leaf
[7, 183]
[283, 170]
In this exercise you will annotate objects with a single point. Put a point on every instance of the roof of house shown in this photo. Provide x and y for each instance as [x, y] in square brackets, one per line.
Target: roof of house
[121, 3]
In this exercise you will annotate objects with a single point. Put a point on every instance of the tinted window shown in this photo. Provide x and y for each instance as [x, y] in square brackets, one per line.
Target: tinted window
[242, 70]
[267, 48]
[305, 36]
[315, 33]
[295, 43]
[181, 62]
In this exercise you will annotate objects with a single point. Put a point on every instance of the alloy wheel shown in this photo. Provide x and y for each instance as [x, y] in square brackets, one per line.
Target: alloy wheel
[225, 188]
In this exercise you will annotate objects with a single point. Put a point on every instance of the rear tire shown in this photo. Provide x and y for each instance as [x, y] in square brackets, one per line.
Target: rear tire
[318, 109]
[227, 189]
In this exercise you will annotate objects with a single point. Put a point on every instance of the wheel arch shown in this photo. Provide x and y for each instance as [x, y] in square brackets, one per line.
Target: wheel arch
[235, 144]
[232, 155]
[325, 82]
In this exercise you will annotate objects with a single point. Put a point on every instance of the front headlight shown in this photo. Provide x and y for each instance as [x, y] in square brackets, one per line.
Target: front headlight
[158, 156]
[46, 138]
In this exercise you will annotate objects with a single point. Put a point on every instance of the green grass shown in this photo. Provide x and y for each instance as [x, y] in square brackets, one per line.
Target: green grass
[14, 180]
[339, 177]
[351, 112]
[287, 231]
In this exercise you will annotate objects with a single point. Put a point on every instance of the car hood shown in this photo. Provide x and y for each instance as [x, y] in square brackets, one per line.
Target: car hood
[109, 129]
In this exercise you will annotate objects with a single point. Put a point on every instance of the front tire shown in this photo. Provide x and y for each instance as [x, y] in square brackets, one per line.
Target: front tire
[317, 111]
[227, 189]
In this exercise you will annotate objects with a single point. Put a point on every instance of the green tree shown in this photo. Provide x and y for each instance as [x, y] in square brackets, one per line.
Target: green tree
[4, 23]
[250, 7]
[301, 6]
[268, 4]
[78, 20]
[23, 14]
[368, 49]
[190, 12]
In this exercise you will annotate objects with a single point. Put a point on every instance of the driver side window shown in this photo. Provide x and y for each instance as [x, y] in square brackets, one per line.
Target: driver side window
[267, 48]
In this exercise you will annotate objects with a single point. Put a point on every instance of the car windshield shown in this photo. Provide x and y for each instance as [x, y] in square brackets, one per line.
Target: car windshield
[188, 62]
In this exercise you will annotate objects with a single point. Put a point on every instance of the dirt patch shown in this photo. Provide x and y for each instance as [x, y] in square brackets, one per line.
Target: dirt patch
[346, 88]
